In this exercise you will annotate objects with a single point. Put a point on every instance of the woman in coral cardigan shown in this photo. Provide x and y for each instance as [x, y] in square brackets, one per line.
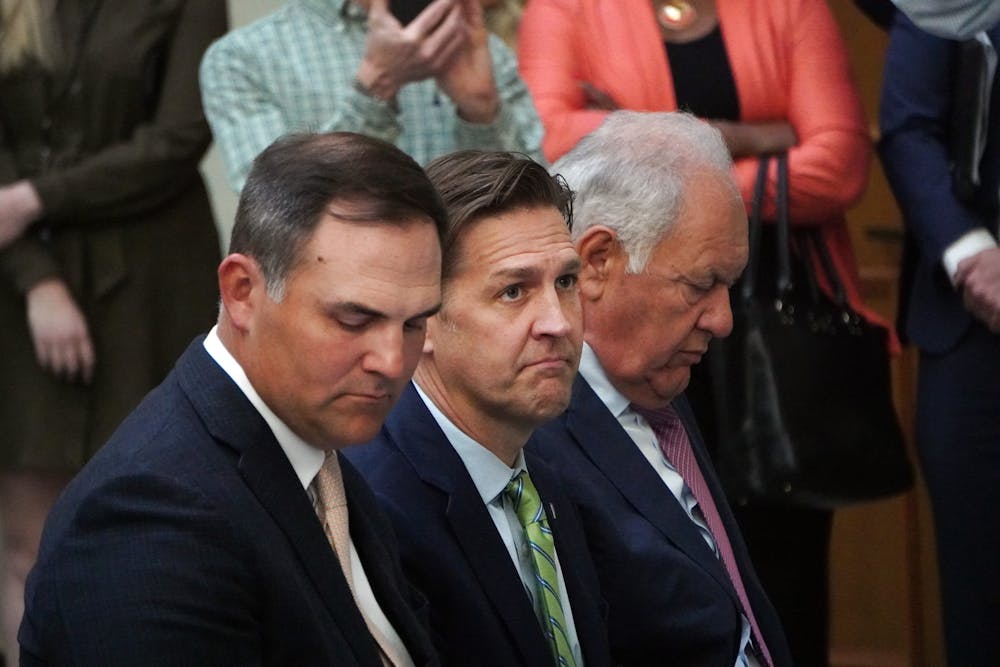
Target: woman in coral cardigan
[773, 76]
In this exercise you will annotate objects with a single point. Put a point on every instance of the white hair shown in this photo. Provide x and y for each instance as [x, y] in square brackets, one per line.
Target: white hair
[630, 175]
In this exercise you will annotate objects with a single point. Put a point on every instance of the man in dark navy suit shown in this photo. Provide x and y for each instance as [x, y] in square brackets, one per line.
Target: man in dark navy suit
[941, 149]
[662, 234]
[192, 538]
[448, 467]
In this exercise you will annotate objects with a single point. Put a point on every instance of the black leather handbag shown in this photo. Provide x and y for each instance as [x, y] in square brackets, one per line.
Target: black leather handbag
[801, 389]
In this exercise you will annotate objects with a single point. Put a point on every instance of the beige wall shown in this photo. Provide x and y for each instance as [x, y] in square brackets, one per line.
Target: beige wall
[241, 12]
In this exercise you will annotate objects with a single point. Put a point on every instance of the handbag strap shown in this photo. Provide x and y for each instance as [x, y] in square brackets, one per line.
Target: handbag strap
[783, 234]
[829, 269]
[756, 206]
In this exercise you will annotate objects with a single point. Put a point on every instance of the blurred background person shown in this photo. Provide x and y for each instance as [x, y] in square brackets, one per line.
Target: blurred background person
[772, 76]
[107, 243]
[940, 146]
[437, 84]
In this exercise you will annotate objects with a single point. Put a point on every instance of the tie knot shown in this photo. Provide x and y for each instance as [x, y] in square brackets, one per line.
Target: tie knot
[329, 484]
[524, 499]
[660, 418]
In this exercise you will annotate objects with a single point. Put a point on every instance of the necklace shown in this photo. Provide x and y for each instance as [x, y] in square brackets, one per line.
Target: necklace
[675, 14]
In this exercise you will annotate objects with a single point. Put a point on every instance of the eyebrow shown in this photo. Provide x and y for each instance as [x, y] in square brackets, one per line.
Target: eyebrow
[355, 308]
[524, 272]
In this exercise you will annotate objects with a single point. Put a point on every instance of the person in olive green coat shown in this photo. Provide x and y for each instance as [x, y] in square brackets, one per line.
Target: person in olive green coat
[107, 244]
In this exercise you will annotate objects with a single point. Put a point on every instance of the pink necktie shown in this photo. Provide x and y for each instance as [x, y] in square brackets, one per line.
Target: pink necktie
[676, 447]
[331, 507]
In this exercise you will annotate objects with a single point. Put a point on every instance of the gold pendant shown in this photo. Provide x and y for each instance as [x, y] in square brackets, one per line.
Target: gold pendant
[675, 14]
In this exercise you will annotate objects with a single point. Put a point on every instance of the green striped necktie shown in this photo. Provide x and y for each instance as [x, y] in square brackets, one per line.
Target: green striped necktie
[528, 507]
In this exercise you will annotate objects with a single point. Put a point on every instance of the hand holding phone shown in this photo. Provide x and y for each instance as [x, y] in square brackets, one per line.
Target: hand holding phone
[407, 10]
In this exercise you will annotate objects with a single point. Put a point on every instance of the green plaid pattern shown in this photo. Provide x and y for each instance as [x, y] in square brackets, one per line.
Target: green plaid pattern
[528, 507]
[293, 71]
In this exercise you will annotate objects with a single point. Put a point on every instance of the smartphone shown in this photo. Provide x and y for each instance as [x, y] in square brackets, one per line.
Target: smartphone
[407, 10]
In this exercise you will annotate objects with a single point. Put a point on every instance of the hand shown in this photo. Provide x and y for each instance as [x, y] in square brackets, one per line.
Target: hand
[19, 207]
[467, 77]
[396, 55]
[979, 279]
[59, 332]
[749, 139]
[595, 98]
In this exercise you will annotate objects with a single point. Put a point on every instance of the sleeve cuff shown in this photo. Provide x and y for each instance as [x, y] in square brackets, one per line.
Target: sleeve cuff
[966, 246]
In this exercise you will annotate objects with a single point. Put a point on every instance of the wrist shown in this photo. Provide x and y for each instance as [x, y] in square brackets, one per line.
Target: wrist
[971, 243]
[480, 110]
[370, 84]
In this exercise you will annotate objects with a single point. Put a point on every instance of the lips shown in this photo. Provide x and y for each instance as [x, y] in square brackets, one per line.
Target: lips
[549, 362]
[371, 397]
[691, 357]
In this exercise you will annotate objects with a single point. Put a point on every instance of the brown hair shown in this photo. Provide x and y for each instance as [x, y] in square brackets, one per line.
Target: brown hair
[301, 177]
[479, 184]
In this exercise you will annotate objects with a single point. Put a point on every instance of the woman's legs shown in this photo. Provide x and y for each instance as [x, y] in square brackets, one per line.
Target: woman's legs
[25, 499]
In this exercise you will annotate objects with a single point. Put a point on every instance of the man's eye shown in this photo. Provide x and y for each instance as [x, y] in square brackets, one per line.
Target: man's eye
[416, 325]
[352, 323]
[512, 293]
[566, 282]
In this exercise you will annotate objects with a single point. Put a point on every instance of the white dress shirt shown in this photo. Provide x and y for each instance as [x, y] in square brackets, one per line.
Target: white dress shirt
[306, 460]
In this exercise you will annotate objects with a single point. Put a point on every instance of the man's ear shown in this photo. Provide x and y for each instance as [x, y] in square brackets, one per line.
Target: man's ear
[241, 285]
[600, 253]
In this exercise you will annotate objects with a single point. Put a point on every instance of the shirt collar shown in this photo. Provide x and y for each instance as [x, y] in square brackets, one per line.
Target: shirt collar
[488, 473]
[306, 460]
[597, 378]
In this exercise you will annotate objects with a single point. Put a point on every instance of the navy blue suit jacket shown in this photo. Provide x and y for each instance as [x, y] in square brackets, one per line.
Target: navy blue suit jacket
[917, 95]
[480, 614]
[670, 599]
[189, 540]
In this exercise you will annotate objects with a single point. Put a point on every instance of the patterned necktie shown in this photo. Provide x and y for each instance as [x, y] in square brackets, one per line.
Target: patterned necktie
[331, 507]
[676, 447]
[528, 507]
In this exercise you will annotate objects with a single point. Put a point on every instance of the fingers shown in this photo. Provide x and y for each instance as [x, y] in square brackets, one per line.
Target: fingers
[431, 18]
[71, 358]
[59, 332]
[85, 353]
[446, 40]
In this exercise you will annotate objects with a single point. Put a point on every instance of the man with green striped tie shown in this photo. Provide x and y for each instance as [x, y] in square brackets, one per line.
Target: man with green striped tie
[485, 531]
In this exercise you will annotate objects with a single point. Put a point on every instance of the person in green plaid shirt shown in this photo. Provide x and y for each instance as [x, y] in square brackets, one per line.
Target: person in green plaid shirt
[439, 84]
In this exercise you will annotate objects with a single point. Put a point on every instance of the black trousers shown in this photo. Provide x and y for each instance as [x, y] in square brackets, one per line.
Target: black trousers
[958, 438]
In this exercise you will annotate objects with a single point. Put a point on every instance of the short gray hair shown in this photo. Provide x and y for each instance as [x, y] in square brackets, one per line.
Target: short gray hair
[630, 175]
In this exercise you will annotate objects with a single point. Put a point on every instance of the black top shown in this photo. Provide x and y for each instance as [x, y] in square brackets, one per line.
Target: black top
[703, 79]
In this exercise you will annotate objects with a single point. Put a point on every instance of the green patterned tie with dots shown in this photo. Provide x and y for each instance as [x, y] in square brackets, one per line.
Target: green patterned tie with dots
[528, 507]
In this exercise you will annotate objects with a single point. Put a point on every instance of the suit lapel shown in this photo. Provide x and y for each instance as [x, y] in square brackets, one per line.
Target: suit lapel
[232, 419]
[421, 441]
[613, 452]
[381, 567]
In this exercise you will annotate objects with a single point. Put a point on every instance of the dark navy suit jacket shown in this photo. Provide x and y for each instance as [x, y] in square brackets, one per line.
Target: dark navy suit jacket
[670, 599]
[480, 614]
[915, 109]
[189, 540]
